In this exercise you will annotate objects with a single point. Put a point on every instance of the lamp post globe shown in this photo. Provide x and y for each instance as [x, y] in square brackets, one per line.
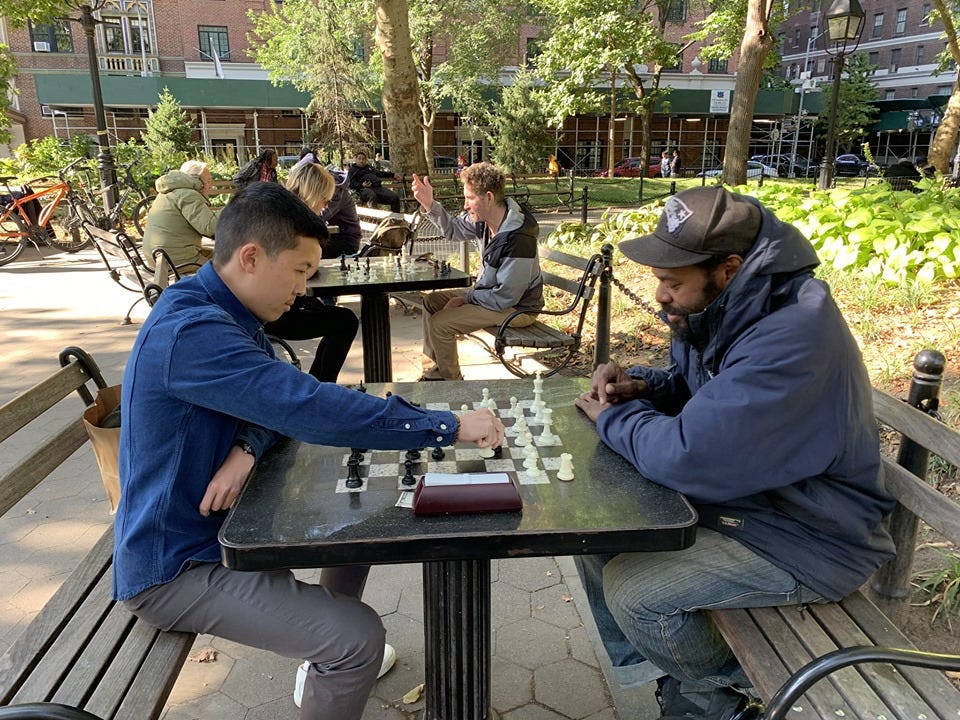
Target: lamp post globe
[844, 24]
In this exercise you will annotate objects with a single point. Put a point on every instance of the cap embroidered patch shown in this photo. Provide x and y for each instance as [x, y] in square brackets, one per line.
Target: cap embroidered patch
[676, 213]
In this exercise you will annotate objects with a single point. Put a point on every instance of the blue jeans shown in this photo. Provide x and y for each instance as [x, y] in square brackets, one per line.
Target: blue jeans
[649, 607]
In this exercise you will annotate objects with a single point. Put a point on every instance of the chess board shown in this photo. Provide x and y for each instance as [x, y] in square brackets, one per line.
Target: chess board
[385, 468]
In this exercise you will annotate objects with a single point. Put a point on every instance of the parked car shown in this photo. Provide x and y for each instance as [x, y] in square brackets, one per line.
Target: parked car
[754, 170]
[444, 165]
[631, 167]
[787, 162]
[850, 165]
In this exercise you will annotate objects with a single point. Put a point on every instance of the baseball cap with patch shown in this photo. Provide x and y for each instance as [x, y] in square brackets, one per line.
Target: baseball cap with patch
[697, 224]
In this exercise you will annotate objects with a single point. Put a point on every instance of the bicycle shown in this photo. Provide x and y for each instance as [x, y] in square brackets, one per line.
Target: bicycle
[129, 189]
[22, 223]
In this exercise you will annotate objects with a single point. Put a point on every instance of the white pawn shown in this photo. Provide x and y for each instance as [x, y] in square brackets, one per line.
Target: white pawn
[524, 438]
[486, 452]
[485, 400]
[566, 467]
[464, 408]
[530, 459]
[515, 407]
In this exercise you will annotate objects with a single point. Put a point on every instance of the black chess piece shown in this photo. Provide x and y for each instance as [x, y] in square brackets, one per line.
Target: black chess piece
[366, 270]
[498, 452]
[408, 479]
[413, 455]
[438, 453]
[353, 474]
[343, 262]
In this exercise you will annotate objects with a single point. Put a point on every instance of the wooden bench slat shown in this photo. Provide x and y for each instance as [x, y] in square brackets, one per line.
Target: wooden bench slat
[746, 639]
[557, 281]
[18, 412]
[154, 681]
[847, 631]
[814, 630]
[35, 467]
[822, 698]
[918, 426]
[562, 258]
[95, 657]
[115, 683]
[936, 509]
[931, 685]
[57, 659]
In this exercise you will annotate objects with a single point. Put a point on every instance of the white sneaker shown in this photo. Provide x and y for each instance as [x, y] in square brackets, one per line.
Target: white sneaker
[389, 660]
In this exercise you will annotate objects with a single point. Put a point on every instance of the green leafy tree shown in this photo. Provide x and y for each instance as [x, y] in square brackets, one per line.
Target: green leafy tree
[318, 49]
[747, 25]
[945, 139]
[519, 130]
[170, 134]
[594, 44]
[855, 111]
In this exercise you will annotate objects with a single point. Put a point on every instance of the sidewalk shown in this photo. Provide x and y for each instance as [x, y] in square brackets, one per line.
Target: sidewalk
[545, 664]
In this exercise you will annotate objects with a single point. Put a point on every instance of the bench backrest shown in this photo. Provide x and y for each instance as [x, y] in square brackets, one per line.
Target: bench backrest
[580, 289]
[126, 257]
[79, 369]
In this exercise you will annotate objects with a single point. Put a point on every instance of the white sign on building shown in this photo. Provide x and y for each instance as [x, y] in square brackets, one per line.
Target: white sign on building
[720, 101]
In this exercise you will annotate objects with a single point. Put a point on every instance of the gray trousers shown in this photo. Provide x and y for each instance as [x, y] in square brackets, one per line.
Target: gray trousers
[340, 636]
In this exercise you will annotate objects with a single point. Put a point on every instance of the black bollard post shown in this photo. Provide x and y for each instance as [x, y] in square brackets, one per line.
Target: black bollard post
[673, 187]
[601, 351]
[583, 205]
[640, 191]
[891, 583]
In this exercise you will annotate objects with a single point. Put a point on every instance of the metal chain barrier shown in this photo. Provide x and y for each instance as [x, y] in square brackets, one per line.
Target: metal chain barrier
[634, 297]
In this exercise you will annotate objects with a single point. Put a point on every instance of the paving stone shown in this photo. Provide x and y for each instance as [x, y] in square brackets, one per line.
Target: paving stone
[531, 643]
[215, 705]
[279, 709]
[32, 596]
[533, 712]
[198, 679]
[530, 574]
[411, 603]
[267, 677]
[508, 604]
[606, 714]
[510, 684]
[554, 605]
[377, 709]
[571, 687]
[582, 647]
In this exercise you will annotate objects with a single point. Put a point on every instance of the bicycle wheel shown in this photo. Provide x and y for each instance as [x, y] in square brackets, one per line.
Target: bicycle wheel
[73, 239]
[140, 212]
[78, 213]
[11, 247]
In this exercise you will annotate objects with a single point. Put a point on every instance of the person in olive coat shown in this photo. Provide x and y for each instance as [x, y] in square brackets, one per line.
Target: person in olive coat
[181, 216]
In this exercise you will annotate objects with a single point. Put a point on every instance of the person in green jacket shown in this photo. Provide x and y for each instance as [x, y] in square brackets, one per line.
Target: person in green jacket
[181, 216]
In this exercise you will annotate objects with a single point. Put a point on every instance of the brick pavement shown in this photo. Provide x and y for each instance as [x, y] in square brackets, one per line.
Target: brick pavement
[545, 665]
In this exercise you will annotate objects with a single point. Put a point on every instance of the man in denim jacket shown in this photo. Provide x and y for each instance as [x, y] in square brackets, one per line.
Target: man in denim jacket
[203, 397]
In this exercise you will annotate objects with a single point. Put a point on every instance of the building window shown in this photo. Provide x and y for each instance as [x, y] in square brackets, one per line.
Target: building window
[894, 60]
[914, 92]
[532, 49]
[890, 95]
[677, 12]
[821, 66]
[796, 37]
[873, 58]
[125, 35]
[678, 65]
[51, 37]
[944, 89]
[213, 39]
[901, 26]
[878, 25]
[919, 59]
[717, 66]
[924, 13]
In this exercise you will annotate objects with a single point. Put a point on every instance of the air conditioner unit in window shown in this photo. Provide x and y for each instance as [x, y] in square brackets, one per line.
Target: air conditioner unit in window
[41, 47]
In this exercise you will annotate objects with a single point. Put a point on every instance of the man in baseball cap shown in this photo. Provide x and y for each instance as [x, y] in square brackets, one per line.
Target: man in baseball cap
[764, 421]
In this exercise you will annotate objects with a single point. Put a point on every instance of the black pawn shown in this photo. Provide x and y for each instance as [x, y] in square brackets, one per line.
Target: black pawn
[438, 453]
[353, 474]
[498, 452]
[408, 479]
[412, 455]
[343, 262]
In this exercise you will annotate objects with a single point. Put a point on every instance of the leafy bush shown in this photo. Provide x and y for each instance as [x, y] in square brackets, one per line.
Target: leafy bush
[942, 585]
[892, 236]
[48, 155]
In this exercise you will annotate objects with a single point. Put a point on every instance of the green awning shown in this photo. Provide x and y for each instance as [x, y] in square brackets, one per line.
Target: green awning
[136, 91]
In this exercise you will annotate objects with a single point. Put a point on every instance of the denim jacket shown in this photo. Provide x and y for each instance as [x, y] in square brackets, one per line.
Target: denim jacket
[202, 376]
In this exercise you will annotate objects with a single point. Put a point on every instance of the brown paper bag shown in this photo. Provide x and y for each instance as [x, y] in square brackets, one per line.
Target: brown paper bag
[102, 420]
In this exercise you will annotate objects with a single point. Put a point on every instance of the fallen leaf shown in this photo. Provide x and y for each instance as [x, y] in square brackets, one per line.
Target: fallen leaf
[953, 674]
[549, 573]
[203, 655]
[539, 607]
[566, 598]
[414, 695]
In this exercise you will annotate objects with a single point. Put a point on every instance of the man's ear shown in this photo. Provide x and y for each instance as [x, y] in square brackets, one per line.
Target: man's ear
[248, 256]
[729, 268]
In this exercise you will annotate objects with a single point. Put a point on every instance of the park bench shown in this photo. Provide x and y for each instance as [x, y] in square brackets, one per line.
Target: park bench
[785, 651]
[127, 266]
[83, 651]
[522, 187]
[508, 344]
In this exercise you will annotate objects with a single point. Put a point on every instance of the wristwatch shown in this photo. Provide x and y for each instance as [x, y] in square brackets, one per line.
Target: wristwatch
[247, 448]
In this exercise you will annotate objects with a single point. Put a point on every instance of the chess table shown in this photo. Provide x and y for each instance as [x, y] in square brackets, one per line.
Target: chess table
[374, 288]
[291, 515]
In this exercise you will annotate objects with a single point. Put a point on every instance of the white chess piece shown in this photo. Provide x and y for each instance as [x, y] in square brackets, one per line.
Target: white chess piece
[486, 452]
[538, 404]
[485, 400]
[530, 458]
[524, 438]
[547, 437]
[515, 408]
[566, 467]
[464, 408]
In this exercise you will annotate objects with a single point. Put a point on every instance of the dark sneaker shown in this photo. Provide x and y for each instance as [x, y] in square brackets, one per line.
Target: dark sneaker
[682, 701]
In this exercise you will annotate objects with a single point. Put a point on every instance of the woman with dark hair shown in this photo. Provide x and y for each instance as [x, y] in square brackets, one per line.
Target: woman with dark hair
[263, 168]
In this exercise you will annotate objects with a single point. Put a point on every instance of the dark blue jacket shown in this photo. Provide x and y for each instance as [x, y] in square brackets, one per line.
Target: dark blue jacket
[202, 375]
[765, 422]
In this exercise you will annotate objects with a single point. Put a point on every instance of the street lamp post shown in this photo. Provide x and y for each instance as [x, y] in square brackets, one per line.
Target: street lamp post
[844, 24]
[105, 164]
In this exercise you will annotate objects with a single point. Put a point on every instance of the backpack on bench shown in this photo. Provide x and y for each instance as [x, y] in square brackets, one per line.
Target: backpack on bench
[389, 238]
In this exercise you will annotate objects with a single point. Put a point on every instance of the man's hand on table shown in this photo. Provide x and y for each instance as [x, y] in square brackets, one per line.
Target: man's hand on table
[227, 482]
[481, 427]
[609, 385]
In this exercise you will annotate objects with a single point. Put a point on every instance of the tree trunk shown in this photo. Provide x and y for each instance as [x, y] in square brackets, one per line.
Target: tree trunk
[757, 42]
[945, 140]
[400, 90]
